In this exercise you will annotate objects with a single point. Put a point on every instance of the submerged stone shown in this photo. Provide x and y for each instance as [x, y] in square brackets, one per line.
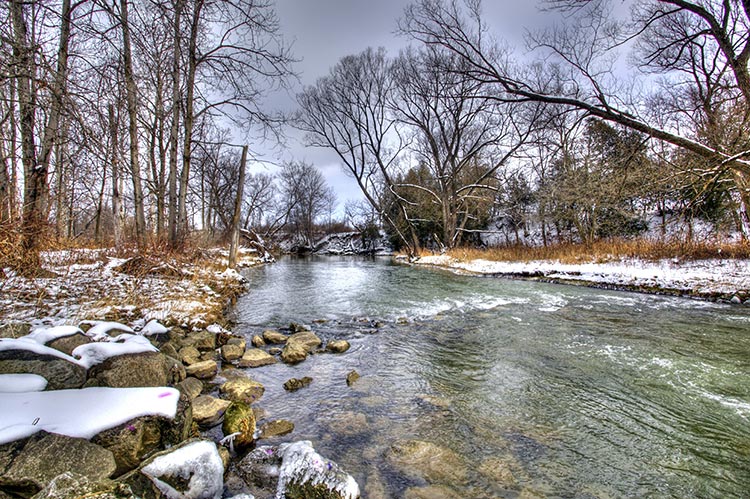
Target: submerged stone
[436, 464]
[276, 428]
[295, 384]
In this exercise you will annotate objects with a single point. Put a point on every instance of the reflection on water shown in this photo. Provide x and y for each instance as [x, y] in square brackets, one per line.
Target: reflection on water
[528, 390]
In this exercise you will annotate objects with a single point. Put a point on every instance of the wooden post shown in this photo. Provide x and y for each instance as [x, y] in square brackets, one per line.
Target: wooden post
[235, 242]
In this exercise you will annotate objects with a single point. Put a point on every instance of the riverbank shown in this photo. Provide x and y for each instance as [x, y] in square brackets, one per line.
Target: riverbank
[725, 280]
[99, 284]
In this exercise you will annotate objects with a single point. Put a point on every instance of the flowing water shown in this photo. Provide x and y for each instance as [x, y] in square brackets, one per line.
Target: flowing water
[534, 390]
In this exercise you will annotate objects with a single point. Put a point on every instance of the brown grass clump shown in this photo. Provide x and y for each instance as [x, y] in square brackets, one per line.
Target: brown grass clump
[609, 250]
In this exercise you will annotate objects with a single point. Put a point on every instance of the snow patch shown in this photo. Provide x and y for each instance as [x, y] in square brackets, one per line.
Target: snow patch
[81, 413]
[199, 462]
[95, 353]
[16, 383]
[44, 335]
[100, 330]
[152, 328]
[28, 344]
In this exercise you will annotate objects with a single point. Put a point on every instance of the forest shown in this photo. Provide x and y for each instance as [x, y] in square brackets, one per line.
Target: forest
[130, 122]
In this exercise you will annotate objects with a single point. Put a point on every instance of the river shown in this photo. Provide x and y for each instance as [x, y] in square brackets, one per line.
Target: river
[540, 390]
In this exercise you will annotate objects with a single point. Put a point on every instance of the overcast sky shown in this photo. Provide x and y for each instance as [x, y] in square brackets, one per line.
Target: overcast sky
[323, 31]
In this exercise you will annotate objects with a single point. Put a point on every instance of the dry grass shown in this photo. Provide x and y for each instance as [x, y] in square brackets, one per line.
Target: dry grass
[609, 250]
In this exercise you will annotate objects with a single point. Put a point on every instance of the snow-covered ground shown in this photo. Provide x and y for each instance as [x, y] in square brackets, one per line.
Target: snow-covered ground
[718, 278]
[86, 284]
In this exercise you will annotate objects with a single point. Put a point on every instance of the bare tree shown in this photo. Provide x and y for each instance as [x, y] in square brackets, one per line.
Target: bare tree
[674, 36]
[348, 112]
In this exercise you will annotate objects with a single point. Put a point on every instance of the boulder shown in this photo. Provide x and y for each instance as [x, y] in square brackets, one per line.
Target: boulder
[192, 387]
[231, 352]
[131, 442]
[189, 355]
[202, 370]
[431, 462]
[239, 419]
[307, 339]
[258, 341]
[294, 384]
[169, 350]
[67, 344]
[293, 353]
[242, 389]
[338, 346]
[71, 485]
[61, 374]
[255, 357]
[14, 329]
[274, 337]
[202, 340]
[238, 340]
[132, 370]
[36, 461]
[276, 428]
[296, 471]
[208, 410]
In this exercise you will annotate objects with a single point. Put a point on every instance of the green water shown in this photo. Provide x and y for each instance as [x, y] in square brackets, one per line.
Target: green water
[541, 390]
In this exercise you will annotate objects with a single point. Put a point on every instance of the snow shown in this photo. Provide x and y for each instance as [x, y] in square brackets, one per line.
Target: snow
[216, 329]
[96, 353]
[44, 335]
[152, 328]
[25, 343]
[300, 463]
[81, 413]
[15, 383]
[199, 462]
[708, 277]
[100, 329]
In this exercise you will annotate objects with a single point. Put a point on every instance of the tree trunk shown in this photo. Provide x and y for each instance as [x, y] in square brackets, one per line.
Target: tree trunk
[132, 104]
[235, 242]
[182, 222]
[175, 129]
[116, 199]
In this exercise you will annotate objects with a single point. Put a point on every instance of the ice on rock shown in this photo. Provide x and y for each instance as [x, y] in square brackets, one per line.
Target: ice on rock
[301, 464]
[28, 344]
[81, 413]
[17, 383]
[198, 462]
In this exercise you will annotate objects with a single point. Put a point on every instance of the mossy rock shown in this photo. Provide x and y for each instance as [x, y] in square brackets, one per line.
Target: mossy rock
[239, 418]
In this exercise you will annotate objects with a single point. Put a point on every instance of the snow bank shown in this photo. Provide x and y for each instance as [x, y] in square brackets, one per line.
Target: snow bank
[28, 344]
[14, 383]
[81, 413]
[198, 462]
[702, 276]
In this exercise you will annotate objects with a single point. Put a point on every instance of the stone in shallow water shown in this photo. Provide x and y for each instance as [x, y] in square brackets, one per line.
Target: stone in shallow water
[295, 384]
[352, 377]
[231, 352]
[202, 370]
[208, 410]
[274, 337]
[433, 463]
[338, 346]
[255, 357]
[239, 418]
[242, 389]
[276, 428]
[432, 492]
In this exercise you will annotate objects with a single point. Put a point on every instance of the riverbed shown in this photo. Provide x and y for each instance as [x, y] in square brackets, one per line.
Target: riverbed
[532, 389]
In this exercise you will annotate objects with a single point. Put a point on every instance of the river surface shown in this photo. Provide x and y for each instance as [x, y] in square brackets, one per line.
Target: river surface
[533, 390]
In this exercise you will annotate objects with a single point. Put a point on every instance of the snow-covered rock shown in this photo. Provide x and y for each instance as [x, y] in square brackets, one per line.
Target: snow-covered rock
[95, 353]
[18, 383]
[297, 470]
[195, 465]
[81, 413]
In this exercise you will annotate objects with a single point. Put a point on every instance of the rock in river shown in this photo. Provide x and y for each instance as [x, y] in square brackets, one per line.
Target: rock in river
[298, 346]
[242, 389]
[274, 337]
[240, 420]
[296, 471]
[208, 410]
[276, 428]
[436, 464]
[232, 351]
[255, 357]
[338, 346]
[202, 370]
[294, 384]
